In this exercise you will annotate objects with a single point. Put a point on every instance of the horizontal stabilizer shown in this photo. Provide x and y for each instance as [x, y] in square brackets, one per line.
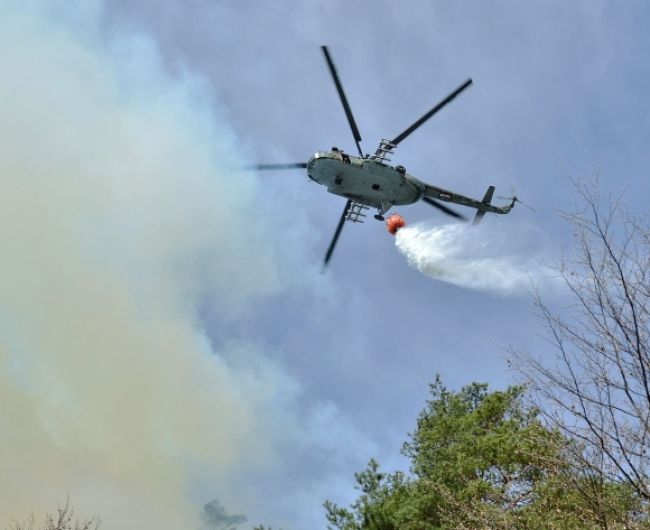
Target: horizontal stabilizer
[487, 199]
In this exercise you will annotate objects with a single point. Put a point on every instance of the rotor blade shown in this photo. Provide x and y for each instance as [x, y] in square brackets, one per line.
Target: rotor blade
[514, 199]
[435, 109]
[328, 255]
[344, 100]
[297, 165]
[443, 208]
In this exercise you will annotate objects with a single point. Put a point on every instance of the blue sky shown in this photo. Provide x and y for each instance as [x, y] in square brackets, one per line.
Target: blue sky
[559, 91]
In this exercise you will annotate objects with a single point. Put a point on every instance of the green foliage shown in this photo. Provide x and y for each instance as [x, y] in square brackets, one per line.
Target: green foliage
[381, 495]
[482, 459]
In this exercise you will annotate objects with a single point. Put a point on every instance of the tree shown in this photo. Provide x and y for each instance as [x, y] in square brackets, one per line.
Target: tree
[63, 520]
[481, 459]
[214, 517]
[596, 387]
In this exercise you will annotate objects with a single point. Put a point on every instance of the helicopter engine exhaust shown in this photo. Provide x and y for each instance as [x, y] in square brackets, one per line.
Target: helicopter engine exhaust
[394, 223]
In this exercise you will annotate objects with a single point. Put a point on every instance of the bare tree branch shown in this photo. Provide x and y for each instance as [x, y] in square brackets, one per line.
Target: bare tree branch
[596, 386]
[63, 520]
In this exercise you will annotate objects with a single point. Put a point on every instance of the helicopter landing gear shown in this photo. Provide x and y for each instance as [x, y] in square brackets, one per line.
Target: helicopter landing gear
[383, 208]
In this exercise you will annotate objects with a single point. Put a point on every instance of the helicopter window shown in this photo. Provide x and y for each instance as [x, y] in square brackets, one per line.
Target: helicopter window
[346, 158]
[375, 186]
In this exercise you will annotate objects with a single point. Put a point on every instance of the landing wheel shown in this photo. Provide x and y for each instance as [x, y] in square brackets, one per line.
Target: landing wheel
[379, 217]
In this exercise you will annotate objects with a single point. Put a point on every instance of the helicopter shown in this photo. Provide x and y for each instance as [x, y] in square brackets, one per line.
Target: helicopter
[369, 181]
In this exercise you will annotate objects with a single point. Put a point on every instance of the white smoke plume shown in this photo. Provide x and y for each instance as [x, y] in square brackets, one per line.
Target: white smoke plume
[500, 258]
[118, 217]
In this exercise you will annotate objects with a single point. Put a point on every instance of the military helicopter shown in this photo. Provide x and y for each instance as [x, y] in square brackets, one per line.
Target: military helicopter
[369, 181]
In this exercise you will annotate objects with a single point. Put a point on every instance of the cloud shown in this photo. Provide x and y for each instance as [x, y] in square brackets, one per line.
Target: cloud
[507, 259]
[121, 214]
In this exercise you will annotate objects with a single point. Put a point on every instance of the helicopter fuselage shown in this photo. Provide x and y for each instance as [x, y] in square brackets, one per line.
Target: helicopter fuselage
[366, 181]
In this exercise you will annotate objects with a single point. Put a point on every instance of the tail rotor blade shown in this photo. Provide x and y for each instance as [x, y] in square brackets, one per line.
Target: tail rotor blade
[443, 208]
[297, 165]
[337, 233]
[515, 199]
[448, 99]
[344, 100]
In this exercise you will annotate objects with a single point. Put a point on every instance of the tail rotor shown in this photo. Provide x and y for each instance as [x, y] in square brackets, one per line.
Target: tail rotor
[514, 199]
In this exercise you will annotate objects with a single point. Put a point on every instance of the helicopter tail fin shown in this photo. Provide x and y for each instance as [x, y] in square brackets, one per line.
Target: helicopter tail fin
[487, 199]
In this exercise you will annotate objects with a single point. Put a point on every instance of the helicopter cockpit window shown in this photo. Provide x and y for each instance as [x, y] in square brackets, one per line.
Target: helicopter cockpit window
[346, 158]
